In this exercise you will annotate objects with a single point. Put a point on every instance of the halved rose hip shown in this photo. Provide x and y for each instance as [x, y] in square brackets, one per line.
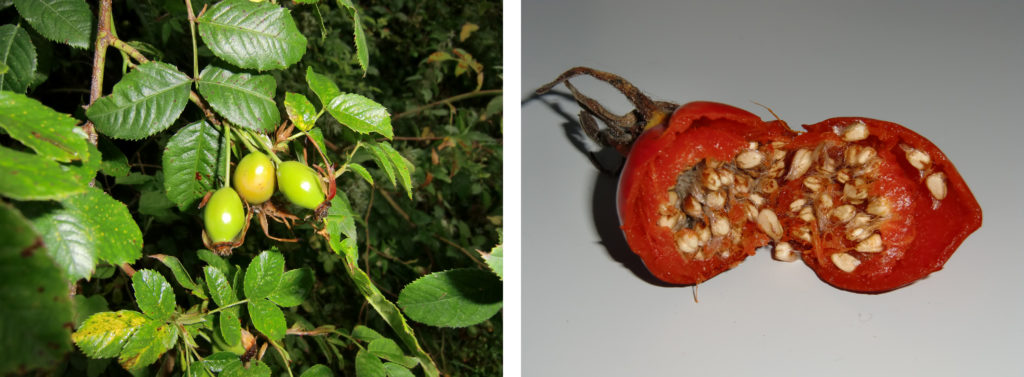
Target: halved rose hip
[869, 205]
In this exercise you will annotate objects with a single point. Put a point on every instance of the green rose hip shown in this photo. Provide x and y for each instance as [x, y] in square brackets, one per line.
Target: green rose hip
[300, 184]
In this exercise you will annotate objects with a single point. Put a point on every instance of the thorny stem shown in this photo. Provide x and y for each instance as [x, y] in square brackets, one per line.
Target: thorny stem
[455, 98]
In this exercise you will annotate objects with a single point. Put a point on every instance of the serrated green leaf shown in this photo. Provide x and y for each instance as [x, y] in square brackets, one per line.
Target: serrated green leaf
[64, 21]
[453, 298]
[237, 369]
[359, 169]
[114, 162]
[267, 318]
[147, 100]
[387, 349]
[49, 133]
[22, 173]
[358, 34]
[383, 159]
[177, 269]
[146, 345]
[153, 294]
[263, 275]
[387, 310]
[87, 227]
[301, 112]
[494, 260]
[215, 261]
[361, 114]
[396, 370]
[244, 99]
[368, 365]
[105, 334]
[220, 288]
[84, 307]
[340, 217]
[318, 370]
[294, 287]
[401, 165]
[35, 298]
[18, 54]
[252, 35]
[324, 88]
[193, 162]
[230, 327]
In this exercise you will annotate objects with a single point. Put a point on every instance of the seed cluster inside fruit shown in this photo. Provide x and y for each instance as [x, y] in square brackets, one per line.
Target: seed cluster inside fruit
[827, 200]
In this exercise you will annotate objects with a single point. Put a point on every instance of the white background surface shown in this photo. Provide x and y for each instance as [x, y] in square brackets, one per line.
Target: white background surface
[952, 71]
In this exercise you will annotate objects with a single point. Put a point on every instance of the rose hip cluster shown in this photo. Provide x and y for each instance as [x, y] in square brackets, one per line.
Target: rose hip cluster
[254, 180]
[869, 205]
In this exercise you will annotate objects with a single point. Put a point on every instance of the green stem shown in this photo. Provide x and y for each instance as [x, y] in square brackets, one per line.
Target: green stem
[227, 161]
[131, 51]
[227, 306]
[245, 141]
[348, 160]
[192, 28]
[266, 144]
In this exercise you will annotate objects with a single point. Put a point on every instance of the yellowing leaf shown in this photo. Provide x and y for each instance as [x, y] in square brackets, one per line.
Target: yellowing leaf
[467, 30]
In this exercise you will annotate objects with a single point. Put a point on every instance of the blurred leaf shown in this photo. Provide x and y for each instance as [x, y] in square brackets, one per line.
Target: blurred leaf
[23, 172]
[84, 307]
[192, 163]
[387, 349]
[361, 114]
[294, 287]
[267, 318]
[244, 99]
[453, 298]
[18, 55]
[318, 370]
[35, 298]
[365, 334]
[467, 30]
[252, 35]
[368, 365]
[105, 334]
[147, 100]
[396, 370]
[64, 21]
[439, 56]
[49, 133]
[263, 275]
[237, 369]
[87, 227]
[154, 295]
